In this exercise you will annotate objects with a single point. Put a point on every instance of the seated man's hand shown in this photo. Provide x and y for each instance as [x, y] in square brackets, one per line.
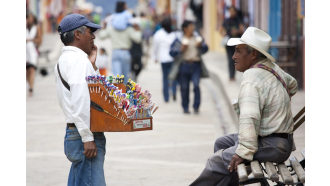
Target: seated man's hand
[90, 149]
[235, 160]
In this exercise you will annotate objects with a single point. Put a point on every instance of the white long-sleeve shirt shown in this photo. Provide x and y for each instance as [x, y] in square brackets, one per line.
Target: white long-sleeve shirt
[161, 45]
[74, 67]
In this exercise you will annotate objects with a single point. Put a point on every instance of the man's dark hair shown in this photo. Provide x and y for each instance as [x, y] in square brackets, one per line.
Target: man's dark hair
[120, 6]
[103, 50]
[232, 7]
[167, 24]
[186, 23]
[259, 56]
[35, 20]
[68, 37]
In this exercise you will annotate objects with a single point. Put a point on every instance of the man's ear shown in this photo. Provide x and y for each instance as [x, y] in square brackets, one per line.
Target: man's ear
[77, 35]
[254, 54]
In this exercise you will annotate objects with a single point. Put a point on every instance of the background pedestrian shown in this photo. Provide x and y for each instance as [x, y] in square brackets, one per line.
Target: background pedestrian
[232, 27]
[33, 41]
[190, 68]
[162, 41]
[121, 41]
[102, 61]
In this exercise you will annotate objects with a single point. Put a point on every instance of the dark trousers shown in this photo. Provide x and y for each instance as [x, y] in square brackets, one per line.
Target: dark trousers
[166, 68]
[215, 173]
[190, 72]
[231, 63]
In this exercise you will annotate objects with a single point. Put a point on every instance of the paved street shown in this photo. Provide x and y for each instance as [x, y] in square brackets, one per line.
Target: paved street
[172, 154]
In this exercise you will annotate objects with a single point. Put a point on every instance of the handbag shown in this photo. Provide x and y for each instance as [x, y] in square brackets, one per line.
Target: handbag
[204, 71]
[175, 47]
[174, 73]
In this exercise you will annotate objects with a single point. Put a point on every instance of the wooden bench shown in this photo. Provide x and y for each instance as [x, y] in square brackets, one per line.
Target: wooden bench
[290, 172]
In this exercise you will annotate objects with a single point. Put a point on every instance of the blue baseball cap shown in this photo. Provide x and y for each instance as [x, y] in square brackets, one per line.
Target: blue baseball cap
[73, 21]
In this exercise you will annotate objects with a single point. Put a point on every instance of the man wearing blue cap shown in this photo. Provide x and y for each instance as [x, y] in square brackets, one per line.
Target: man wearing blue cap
[83, 148]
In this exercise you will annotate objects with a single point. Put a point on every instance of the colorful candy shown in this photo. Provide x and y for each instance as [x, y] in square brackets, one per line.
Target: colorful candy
[135, 102]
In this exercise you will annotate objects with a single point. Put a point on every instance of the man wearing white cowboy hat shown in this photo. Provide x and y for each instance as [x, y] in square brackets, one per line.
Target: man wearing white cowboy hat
[264, 110]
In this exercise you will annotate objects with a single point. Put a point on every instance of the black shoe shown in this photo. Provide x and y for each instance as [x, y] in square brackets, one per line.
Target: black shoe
[186, 112]
[30, 92]
[174, 97]
[196, 111]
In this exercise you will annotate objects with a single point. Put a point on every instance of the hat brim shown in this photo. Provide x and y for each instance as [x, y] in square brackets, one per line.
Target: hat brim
[93, 26]
[238, 41]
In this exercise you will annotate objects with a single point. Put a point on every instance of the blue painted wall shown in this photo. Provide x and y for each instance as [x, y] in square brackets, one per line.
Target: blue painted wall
[275, 21]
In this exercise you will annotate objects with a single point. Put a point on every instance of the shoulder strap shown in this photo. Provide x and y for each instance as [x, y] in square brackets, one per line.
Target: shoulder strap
[276, 75]
[63, 81]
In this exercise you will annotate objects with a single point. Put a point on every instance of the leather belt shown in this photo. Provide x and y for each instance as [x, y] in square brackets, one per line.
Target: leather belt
[71, 125]
[190, 61]
[280, 135]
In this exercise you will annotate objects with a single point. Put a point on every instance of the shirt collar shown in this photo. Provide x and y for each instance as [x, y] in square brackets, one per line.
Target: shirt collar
[265, 62]
[74, 49]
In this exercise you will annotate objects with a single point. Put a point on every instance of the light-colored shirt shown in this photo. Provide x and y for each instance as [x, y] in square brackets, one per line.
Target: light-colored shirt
[161, 45]
[192, 51]
[74, 67]
[264, 107]
[31, 50]
[120, 21]
[121, 39]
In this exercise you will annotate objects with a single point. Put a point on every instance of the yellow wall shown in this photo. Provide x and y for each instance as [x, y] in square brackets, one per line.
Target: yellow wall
[211, 33]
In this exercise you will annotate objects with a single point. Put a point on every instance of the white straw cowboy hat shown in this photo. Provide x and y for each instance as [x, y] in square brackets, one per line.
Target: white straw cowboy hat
[256, 39]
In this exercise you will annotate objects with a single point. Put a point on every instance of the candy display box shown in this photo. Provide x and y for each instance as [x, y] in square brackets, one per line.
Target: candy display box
[106, 116]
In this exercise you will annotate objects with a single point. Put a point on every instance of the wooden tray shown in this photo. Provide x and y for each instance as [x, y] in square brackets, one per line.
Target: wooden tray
[107, 117]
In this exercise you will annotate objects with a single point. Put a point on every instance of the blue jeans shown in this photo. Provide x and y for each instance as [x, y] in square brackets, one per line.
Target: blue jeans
[190, 71]
[166, 68]
[121, 63]
[84, 171]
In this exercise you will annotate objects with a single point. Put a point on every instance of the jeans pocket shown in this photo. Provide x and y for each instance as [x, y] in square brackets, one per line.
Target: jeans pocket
[73, 147]
[74, 150]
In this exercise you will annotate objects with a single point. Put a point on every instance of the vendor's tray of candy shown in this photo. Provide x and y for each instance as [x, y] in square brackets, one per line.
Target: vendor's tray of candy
[119, 107]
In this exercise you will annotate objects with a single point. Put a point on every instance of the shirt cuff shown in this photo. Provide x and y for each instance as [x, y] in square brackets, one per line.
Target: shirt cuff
[244, 153]
[86, 135]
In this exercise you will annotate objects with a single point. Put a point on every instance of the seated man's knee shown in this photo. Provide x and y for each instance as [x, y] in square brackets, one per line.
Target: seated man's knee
[219, 144]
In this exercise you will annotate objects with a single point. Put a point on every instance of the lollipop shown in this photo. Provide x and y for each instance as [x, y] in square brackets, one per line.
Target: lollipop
[122, 77]
[137, 88]
[117, 78]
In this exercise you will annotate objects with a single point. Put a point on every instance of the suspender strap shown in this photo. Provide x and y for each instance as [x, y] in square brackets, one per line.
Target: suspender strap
[276, 75]
[63, 81]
